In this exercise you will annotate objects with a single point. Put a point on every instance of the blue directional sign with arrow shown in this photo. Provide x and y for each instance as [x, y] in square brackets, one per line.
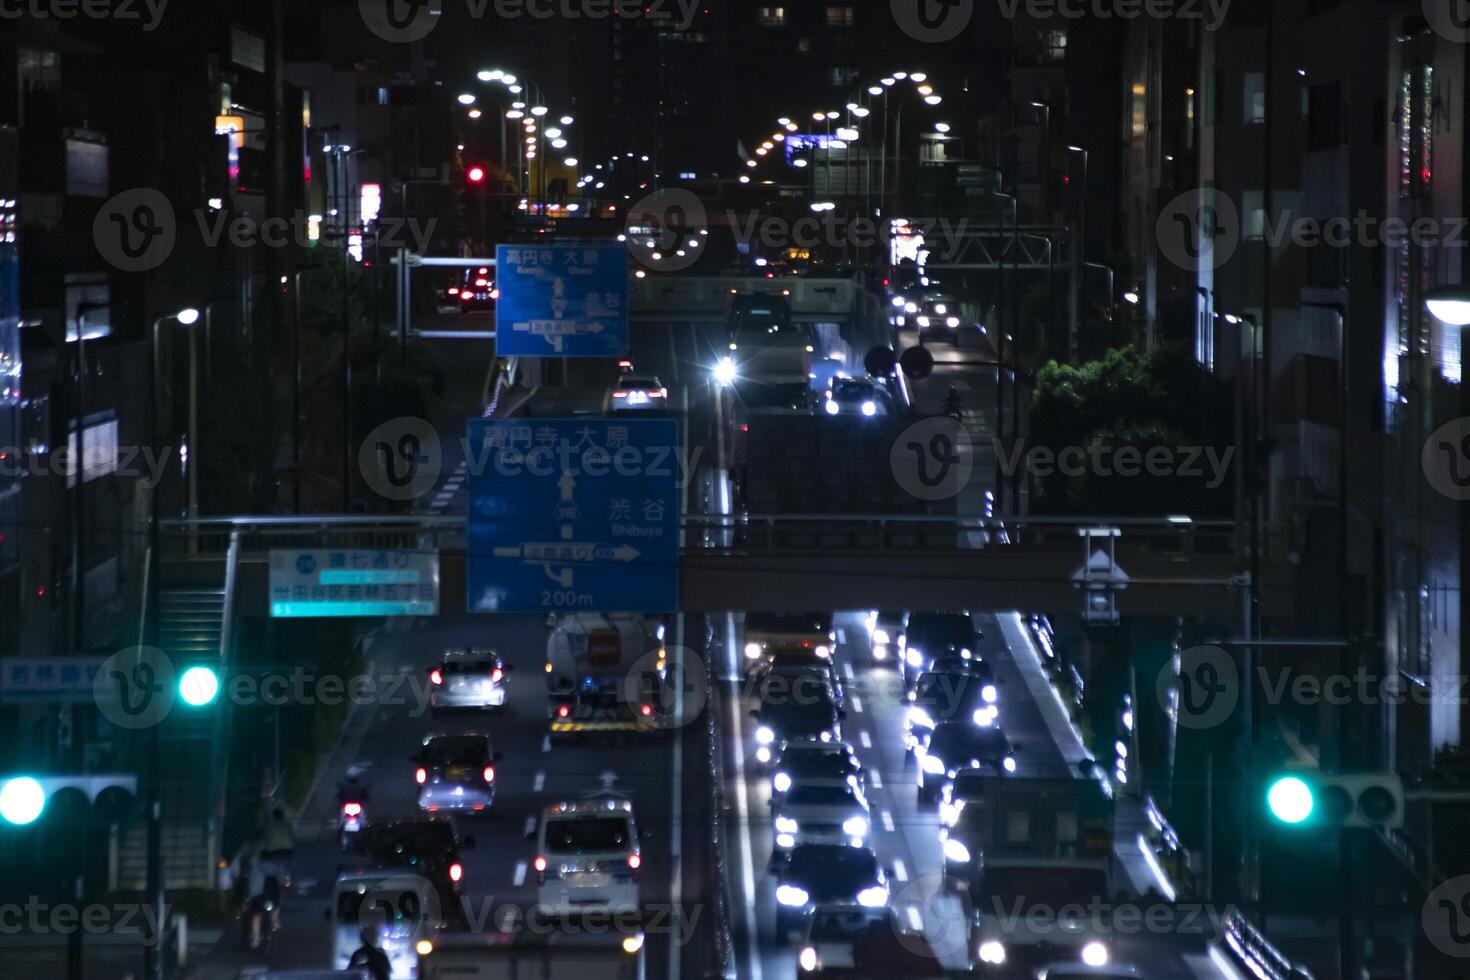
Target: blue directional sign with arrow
[561, 300]
[573, 514]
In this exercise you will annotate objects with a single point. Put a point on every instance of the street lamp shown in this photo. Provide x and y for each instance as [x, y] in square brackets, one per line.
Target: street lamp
[1449, 304]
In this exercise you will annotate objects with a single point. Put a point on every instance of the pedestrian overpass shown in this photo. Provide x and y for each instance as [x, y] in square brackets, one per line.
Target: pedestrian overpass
[1099, 569]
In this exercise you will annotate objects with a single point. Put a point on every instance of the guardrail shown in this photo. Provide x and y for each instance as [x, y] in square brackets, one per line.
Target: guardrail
[769, 534]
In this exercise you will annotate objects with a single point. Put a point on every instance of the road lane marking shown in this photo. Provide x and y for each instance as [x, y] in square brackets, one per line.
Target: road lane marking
[847, 670]
[877, 780]
[857, 704]
[747, 871]
[899, 871]
[546, 743]
[530, 825]
[676, 850]
[540, 781]
[887, 819]
[520, 876]
[916, 920]
[867, 742]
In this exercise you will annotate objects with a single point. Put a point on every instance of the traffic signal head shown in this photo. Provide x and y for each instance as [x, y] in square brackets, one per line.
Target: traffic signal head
[101, 797]
[475, 174]
[1361, 800]
[198, 686]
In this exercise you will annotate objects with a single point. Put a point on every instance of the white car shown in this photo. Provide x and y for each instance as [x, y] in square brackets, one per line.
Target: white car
[470, 679]
[587, 857]
[637, 393]
[821, 812]
[401, 904]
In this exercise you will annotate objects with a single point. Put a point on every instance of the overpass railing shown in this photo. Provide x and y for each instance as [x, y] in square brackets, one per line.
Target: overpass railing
[742, 534]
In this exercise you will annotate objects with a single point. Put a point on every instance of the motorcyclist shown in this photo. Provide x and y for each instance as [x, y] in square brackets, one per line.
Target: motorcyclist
[352, 789]
[369, 957]
[952, 402]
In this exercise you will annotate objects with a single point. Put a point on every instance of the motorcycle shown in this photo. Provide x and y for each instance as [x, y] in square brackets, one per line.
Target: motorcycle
[953, 405]
[258, 924]
[350, 820]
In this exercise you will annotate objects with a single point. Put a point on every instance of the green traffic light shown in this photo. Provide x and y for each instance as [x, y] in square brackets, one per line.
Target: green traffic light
[21, 800]
[1290, 800]
[198, 686]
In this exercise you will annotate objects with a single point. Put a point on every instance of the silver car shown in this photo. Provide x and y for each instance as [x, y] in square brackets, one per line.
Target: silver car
[472, 679]
[456, 772]
[821, 812]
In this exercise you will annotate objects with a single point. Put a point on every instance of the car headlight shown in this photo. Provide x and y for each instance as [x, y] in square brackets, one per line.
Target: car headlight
[763, 754]
[874, 897]
[764, 735]
[898, 301]
[911, 307]
[830, 407]
[825, 736]
[791, 896]
[786, 825]
[1008, 764]
[1095, 954]
[923, 321]
[913, 657]
[992, 951]
[949, 813]
[953, 321]
[933, 765]
[787, 841]
[855, 826]
[919, 718]
[781, 781]
[752, 650]
[956, 851]
[941, 308]
[988, 694]
[870, 409]
[984, 717]
[880, 636]
[725, 371]
[808, 959]
[823, 651]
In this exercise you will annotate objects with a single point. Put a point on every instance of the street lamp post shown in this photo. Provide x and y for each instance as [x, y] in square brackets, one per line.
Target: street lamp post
[1077, 259]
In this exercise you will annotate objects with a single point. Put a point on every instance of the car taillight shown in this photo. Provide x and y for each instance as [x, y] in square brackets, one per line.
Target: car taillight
[436, 676]
[421, 775]
[453, 290]
[481, 282]
[489, 774]
[563, 711]
[620, 394]
[646, 710]
[540, 864]
[494, 294]
[456, 871]
[352, 809]
[497, 674]
[484, 272]
[634, 861]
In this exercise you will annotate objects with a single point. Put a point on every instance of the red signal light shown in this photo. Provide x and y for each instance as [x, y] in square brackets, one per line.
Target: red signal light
[475, 175]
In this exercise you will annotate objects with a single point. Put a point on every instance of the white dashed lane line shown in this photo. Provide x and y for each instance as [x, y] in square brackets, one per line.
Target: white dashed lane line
[899, 871]
[887, 819]
[540, 781]
[519, 878]
[865, 739]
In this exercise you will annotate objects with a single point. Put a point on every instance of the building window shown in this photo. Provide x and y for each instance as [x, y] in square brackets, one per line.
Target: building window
[839, 16]
[1324, 116]
[1054, 46]
[1255, 97]
[1252, 215]
[771, 16]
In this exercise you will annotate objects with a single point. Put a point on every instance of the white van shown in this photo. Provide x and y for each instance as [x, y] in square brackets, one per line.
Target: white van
[402, 905]
[587, 857]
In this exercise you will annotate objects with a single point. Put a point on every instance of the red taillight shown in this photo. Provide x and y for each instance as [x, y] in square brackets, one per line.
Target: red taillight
[489, 774]
[620, 394]
[484, 272]
[482, 282]
[563, 711]
[497, 674]
[540, 864]
[456, 871]
[453, 290]
[421, 775]
[436, 676]
[646, 710]
[634, 861]
[352, 809]
[494, 294]
[744, 427]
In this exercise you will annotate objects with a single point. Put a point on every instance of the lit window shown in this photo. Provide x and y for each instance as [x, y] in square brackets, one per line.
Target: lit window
[771, 16]
[1054, 45]
[1255, 97]
[839, 16]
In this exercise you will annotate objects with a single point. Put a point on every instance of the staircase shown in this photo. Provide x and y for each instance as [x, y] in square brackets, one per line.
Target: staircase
[190, 625]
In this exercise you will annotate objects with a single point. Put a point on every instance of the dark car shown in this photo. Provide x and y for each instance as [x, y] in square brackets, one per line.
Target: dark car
[477, 292]
[957, 745]
[455, 773]
[787, 719]
[806, 763]
[940, 697]
[801, 673]
[823, 874]
[926, 635]
[428, 848]
[857, 941]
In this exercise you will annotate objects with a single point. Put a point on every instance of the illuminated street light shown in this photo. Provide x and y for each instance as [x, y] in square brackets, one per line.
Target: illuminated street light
[539, 110]
[917, 76]
[932, 100]
[941, 127]
[466, 99]
[1449, 304]
[475, 113]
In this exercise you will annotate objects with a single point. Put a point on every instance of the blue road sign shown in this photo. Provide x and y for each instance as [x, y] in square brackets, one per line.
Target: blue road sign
[561, 300]
[569, 514]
